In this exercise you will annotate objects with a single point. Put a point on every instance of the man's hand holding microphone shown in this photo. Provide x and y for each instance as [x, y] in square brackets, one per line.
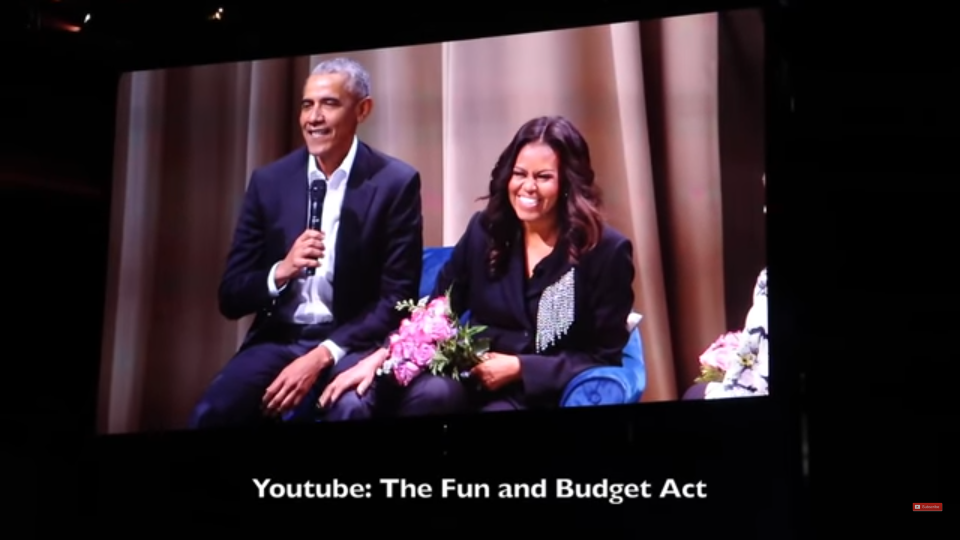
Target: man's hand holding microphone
[306, 252]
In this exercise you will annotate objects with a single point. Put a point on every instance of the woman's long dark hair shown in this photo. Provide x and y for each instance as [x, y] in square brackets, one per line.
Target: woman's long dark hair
[578, 210]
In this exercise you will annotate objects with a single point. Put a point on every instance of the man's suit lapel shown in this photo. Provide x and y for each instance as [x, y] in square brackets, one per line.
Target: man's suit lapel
[356, 203]
[293, 211]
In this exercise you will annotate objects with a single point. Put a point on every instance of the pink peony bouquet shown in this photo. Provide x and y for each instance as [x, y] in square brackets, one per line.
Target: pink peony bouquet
[725, 352]
[433, 340]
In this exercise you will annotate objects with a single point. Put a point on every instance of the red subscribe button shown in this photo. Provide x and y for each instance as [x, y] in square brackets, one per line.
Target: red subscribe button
[928, 507]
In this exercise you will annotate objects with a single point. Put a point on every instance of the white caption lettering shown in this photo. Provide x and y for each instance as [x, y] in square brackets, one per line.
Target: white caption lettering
[451, 489]
[268, 489]
[398, 488]
[612, 492]
[523, 491]
[683, 491]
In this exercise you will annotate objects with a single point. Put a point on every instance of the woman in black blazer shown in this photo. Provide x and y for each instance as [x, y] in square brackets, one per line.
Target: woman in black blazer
[541, 270]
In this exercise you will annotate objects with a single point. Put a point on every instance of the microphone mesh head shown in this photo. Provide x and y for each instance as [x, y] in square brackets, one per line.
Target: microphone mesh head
[318, 191]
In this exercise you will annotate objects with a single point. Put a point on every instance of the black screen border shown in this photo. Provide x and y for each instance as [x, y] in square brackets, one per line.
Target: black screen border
[654, 431]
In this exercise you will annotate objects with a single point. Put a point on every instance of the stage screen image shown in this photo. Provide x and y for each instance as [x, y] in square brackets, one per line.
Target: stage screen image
[582, 210]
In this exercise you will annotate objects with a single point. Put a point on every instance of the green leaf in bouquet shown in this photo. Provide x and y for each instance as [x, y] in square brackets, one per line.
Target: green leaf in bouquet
[481, 346]
[439, 364]
[709, 374]
[406, 305]
[474, 330]
[448, 294]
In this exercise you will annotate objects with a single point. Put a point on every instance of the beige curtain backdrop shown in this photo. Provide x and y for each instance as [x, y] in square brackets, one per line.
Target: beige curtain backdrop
[646, 96]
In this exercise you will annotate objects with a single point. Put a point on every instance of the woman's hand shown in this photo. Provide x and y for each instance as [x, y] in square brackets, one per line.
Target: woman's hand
[497, 370]
[359, 376]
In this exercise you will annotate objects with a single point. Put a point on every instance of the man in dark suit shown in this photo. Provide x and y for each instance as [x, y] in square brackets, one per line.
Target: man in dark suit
[366, 257]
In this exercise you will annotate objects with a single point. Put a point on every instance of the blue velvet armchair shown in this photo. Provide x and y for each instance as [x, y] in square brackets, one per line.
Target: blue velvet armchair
[598, 386]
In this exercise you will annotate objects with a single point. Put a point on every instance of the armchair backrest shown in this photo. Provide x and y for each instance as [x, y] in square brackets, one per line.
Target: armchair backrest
[433, 260]
[633, 362]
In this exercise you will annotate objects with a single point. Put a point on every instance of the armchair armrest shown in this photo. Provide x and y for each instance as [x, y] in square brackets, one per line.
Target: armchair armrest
[600, 386]
[610, 385]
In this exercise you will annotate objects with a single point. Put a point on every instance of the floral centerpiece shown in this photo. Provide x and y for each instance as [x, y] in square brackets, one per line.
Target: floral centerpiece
[432, 339]
[736, 365]
[727, 351]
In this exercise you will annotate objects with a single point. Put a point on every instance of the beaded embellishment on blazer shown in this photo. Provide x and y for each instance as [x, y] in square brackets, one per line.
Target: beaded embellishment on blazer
[556, 311]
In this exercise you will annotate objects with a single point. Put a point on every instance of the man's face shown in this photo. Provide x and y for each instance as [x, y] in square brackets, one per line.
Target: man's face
[330, 114]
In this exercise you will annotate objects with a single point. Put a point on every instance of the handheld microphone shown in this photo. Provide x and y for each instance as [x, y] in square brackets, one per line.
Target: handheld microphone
[318, 192]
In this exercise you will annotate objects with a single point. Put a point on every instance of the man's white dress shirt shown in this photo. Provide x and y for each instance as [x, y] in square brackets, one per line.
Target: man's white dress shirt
[314, 294]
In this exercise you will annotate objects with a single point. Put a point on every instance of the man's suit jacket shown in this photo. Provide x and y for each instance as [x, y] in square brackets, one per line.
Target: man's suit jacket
[603, 298]
[379, 245]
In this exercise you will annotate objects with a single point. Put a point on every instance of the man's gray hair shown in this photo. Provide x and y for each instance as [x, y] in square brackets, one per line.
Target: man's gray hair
[358, 80]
